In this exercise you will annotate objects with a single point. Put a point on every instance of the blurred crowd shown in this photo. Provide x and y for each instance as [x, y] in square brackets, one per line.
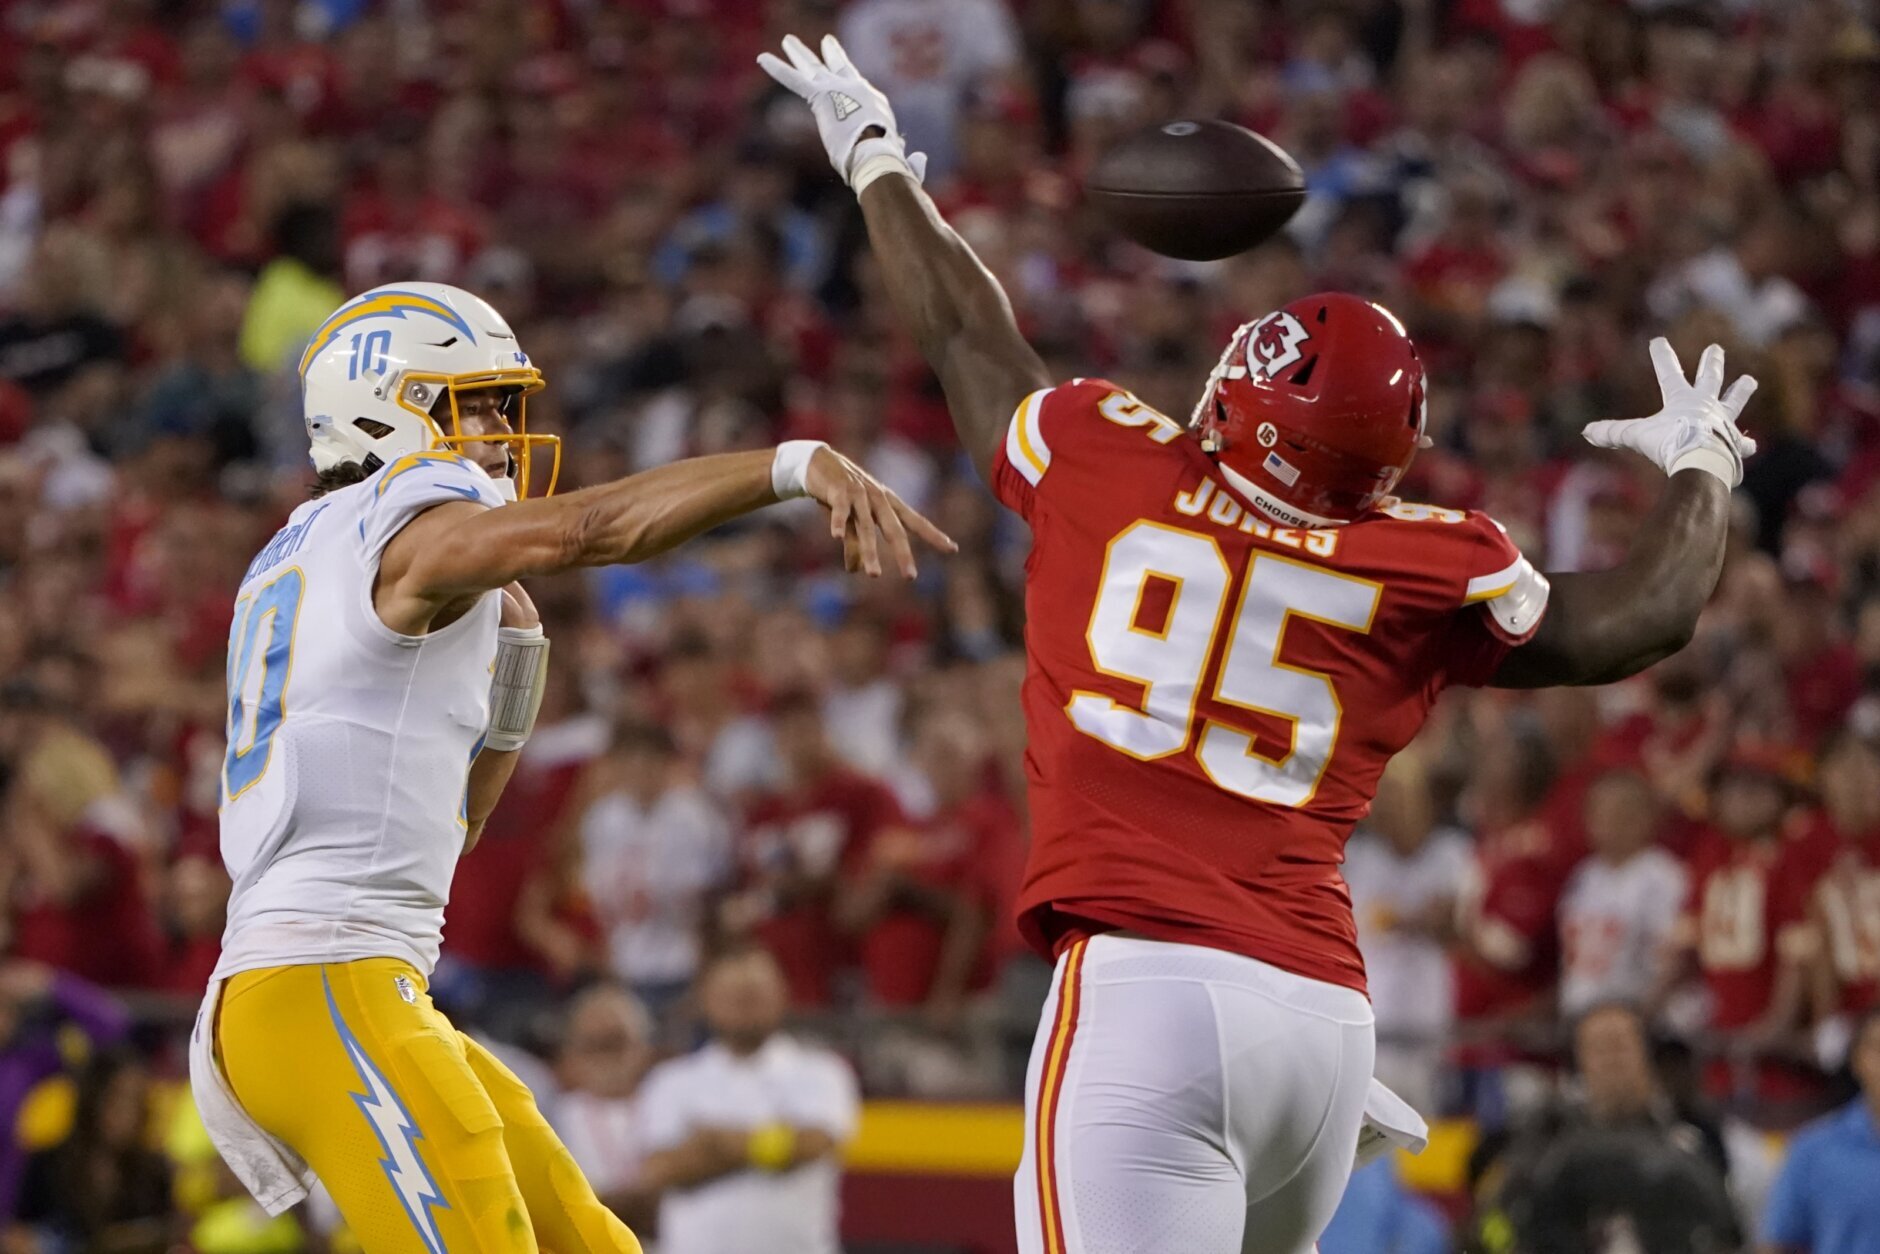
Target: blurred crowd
[743, 745]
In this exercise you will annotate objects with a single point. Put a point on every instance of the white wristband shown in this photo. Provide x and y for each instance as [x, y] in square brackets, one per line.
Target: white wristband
[875, 157]
[1711, 460]
[789, 470]
[520, 675]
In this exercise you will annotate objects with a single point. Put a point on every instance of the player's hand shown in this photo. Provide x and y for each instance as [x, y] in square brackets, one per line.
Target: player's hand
[866, 516]
[852, 116]
[518, 609]
[1696, 429]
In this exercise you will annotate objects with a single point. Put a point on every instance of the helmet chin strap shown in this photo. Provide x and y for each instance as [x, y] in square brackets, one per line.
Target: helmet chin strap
[505, 487]
[1280, 512]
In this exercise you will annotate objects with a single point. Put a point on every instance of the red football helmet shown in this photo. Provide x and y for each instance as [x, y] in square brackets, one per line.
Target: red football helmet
[1315, 411]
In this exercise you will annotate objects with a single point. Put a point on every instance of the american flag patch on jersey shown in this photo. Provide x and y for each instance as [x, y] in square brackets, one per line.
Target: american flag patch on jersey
[1281, 469]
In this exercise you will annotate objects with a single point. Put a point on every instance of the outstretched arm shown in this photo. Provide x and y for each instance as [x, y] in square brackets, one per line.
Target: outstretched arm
[947, 299]
[956, 311]
[1606, 625]
[454, 552]
[1603, 626]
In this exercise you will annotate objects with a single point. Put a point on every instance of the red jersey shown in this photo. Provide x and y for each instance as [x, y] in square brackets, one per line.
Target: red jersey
[796, 847]
[1847, 903]
[1506, 910]
[1749, 900]
[900, 953]
[1210, 697]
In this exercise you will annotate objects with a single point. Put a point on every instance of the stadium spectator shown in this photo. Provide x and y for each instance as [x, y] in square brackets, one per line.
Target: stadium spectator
[1403, 868]
[916, 900]
[926, 55]
[606, 1045]
[1846, 905]
[1615, 1162]
[295, 291]
[800, 840]
[1621, 905]
[1745, 926]
[1824, 1201]
[1504, 957]
[38, 1005]
[102, 1187]
[654, 851]
[742, 1135]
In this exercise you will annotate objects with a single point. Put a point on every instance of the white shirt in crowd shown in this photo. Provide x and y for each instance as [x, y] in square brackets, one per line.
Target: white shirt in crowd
[603, 1134]
[1408, 973]
[784, 1081]
[925, 54]
[1759, 310]
[1614, 922]
[647, 870]
[864, 725]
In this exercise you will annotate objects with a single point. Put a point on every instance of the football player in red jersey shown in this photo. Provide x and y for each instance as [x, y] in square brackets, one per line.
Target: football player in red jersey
[1232, 627]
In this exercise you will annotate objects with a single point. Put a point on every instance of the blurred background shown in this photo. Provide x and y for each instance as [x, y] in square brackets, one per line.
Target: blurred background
[1649, 912]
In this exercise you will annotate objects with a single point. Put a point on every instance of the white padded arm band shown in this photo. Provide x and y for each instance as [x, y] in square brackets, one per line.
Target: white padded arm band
[789, 469]
[516, 687]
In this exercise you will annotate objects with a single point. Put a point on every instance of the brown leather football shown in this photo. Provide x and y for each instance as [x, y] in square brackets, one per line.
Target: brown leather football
[1196, 189]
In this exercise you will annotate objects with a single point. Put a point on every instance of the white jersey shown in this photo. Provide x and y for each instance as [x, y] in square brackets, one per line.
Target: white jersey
[1409, 972]
[1615, 921]
[349, 745]
[782, 1212]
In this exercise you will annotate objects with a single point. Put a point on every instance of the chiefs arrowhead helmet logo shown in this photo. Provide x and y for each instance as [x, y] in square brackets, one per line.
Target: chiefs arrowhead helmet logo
[1275, 343]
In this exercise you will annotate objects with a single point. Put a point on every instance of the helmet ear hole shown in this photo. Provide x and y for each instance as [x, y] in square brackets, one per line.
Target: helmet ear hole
[373, 427]
[1303, 375]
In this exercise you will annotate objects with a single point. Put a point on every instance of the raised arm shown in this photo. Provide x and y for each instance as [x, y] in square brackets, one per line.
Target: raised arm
[947, 299]
[454, 552]
[1603, 626]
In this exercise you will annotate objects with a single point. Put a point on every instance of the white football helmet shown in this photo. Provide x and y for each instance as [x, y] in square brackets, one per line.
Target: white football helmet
[372, 375]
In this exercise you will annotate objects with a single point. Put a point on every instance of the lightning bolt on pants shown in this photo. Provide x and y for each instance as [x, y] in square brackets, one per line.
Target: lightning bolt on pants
[427, 1142]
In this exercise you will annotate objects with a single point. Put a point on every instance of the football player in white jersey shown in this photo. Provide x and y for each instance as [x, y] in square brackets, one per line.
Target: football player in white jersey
[384, 667]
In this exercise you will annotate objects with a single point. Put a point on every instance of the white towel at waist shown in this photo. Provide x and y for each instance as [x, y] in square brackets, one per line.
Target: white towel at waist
[276, 1175]
[1389, 1123]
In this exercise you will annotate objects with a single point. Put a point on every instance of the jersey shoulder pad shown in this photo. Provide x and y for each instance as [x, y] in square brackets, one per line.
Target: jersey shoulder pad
[414, 483]
[1068, 418]
[1475, 562]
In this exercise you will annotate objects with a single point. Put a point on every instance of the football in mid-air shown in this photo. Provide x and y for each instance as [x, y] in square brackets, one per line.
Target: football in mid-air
[1196, 189]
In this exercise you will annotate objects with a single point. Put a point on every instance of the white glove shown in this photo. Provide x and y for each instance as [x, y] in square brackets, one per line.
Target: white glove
[1696, 430]
[845, 106]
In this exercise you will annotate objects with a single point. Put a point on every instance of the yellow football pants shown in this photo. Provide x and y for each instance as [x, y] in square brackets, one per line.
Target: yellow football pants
[426, 1141]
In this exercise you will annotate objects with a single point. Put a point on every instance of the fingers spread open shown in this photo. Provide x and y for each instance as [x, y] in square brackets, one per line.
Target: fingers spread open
[900, 548]
[931, 535]
[1665, 362]
[800, 55]
[840, 510]
[835, 57]
[1738, 396]
[1605, 433]
[788, 75]
[1710, 371]
[866, 528]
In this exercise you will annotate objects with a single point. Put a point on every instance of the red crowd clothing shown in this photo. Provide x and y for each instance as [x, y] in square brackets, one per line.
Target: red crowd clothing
[796, 846]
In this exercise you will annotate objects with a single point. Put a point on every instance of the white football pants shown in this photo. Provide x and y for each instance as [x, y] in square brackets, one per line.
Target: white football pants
[1185, 1100]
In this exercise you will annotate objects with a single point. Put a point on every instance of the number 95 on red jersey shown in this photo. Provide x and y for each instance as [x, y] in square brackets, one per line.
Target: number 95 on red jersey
[1211, 696]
